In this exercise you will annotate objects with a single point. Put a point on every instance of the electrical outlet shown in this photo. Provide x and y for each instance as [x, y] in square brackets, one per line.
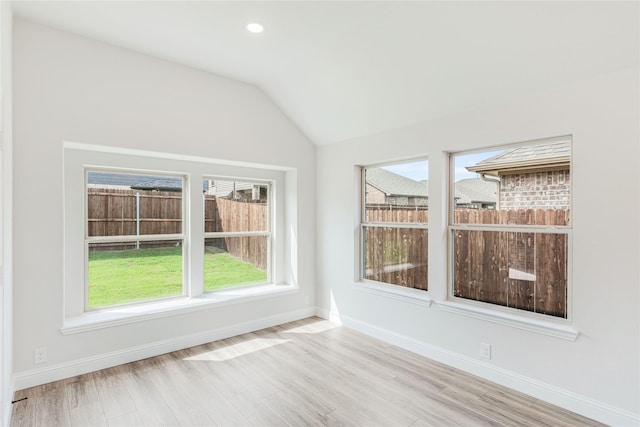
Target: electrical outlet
[306, 300]
[40, 355]
[485, 351]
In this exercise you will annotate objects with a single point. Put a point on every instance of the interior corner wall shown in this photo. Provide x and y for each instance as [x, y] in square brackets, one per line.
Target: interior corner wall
[6, 194]
[598, 374]
[70, 88]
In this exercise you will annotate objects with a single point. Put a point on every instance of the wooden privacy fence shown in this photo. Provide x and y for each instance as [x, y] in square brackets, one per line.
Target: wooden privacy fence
[396, 255]
[121, 212]
[112, 212]
[224, 215]
[522, 270]
[386, 213]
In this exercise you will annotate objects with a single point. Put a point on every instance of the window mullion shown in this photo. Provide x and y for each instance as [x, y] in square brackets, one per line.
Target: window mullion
[219, 234]
[512, 228]
[134, 238]
[194, 256]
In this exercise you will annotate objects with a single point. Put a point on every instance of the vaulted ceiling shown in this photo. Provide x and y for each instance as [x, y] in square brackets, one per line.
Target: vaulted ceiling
[343, 69]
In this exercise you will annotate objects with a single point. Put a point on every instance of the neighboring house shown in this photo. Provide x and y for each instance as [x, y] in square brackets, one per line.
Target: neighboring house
[535, 176]
[237, 190]
[387, 188]
[476, 193]
[134, 182]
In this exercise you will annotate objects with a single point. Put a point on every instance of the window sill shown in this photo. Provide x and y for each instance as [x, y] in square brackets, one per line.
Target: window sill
[123, 315]
[538, 326]
[413, 296]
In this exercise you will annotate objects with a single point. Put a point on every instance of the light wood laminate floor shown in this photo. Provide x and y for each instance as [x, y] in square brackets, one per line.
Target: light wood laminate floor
[305, 373]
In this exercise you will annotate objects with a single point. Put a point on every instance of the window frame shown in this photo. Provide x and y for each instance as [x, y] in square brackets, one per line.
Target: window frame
[88, 240]
[373, 286]
[78, 157]
[514, 316]
[268, 233]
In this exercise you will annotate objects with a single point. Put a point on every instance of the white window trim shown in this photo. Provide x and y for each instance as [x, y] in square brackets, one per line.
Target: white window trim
[509, 316]
[495, 314]
[400, 293]
[78, 157]
[387, 290]
[134, 313]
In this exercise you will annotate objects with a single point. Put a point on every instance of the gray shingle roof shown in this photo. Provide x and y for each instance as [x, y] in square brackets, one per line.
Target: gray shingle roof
[552, 153]
[393, 184]
[223, 188]
[159, 184]
[475, 190]
[136, 182]
[121, 179]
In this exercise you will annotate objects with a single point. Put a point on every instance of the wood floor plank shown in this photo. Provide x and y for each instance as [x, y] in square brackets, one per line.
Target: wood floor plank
[178, 394]
[24, 411]
[90, 414]
[298, 409]
[112, 391]
[561, 417]
[256, 412]
[81, 390]
[309, 372]
[52, 406]
[208, 393]
[150, 405]
[132, 419]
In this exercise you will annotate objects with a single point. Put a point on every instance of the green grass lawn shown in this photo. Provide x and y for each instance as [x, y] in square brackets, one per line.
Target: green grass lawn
[119, 277]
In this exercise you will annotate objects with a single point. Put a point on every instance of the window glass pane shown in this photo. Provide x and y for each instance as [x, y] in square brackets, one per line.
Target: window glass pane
[119, 273]
[527, 271]
[396, 255]
[233, 261]
[525, 185]
[128, 204]
[397, 193]
[232, 206]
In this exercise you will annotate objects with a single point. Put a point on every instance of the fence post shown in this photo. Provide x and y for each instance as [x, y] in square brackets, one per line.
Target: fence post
[137, 219]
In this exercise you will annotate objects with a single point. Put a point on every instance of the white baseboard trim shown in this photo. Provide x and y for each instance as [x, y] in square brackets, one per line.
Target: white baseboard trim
[329, 315]
[546, 392]
[70, 369]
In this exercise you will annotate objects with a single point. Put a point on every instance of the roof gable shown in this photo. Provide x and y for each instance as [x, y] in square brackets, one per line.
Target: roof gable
[393, 184]
[556, 154]
[475, 190]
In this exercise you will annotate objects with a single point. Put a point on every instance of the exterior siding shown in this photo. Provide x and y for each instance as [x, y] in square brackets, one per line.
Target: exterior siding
[375, 196]
[536, 190]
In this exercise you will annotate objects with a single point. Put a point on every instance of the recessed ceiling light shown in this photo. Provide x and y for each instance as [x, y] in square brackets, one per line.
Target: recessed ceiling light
[254, 27]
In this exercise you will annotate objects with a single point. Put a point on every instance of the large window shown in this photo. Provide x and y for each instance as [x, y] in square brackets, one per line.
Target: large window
[237, 232]
[510, 228]
[169, 232]
[394, 224]
[134, 237]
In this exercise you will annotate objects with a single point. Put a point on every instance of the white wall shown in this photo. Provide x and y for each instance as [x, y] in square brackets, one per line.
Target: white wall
[6, 304]
[598, 374]
[68, 88]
